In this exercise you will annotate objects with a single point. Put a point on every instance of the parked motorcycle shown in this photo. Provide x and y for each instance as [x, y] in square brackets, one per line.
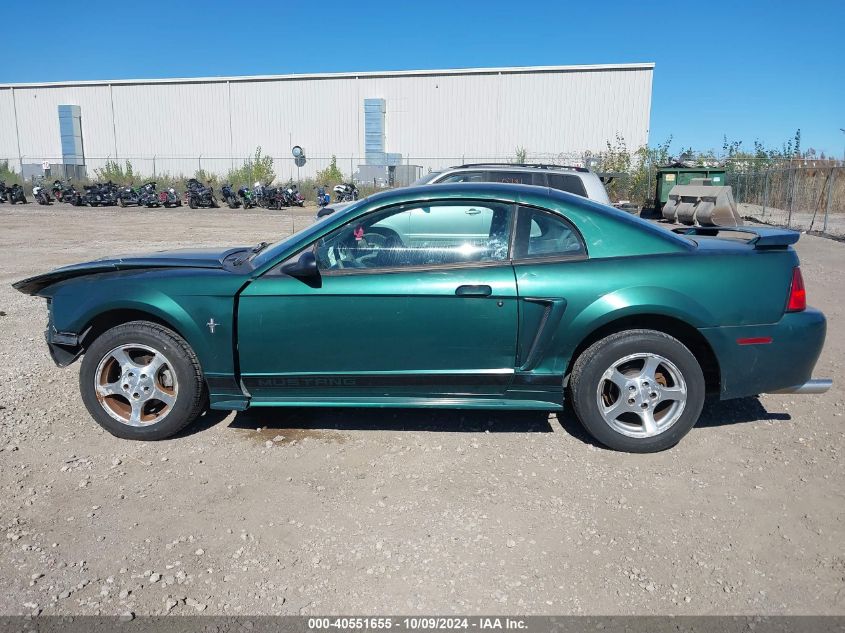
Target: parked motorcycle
[229, 196]
[323, 198]
[14, 194]
[247, 197]
[263, 194]
[109, 191]
[148, 196]
[41, 194]
[292, 196]
[200, 195]
[277, 198]
[56, 190]
[128, 196]
[345, 192]
[66, 193]
[92, 196]
[169, 198]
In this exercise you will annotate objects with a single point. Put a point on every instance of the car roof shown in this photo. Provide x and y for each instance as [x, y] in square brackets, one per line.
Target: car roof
[520, 167]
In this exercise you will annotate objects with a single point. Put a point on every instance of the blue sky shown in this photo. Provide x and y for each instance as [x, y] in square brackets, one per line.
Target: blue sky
[746, 69]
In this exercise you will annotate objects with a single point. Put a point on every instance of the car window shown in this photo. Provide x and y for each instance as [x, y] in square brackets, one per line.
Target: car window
[427, 178]
[567, 182]
[541, 233]
[464, 176]
[517, 177]
[407, 235]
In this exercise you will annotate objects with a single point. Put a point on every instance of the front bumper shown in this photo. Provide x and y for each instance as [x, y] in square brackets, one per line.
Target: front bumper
[65, 347]
[785, 364]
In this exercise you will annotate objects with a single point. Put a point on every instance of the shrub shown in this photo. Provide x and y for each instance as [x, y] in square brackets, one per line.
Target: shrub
[257, 168]
[6, 174]
[206, 177]
[331, 175]
[112, 171]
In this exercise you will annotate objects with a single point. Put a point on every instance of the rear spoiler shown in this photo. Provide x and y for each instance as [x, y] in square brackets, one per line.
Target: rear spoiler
[759, 237]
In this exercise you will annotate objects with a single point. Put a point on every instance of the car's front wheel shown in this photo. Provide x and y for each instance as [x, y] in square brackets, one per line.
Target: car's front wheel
[141, 381]
[639, 391]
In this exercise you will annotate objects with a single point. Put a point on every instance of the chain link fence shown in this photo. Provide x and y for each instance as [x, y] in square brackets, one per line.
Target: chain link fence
[220, 168]
[799, 194]
[802, 197]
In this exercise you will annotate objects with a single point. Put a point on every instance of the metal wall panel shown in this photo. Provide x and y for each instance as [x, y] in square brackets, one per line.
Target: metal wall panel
[38, 121]
[433, 118]
[8, 138]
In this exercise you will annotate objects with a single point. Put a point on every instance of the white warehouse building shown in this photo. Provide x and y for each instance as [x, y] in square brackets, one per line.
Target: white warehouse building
[391, 122]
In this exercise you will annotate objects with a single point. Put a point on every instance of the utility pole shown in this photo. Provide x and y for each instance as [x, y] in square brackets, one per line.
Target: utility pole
[842, 129]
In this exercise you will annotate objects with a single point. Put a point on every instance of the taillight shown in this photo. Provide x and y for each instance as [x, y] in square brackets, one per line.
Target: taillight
[797, 294]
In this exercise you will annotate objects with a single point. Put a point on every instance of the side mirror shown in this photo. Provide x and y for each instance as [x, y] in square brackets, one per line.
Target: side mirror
[304, 269]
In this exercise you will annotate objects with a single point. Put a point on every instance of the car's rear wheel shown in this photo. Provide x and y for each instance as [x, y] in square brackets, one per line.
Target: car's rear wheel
[639, 391]
[141, 381]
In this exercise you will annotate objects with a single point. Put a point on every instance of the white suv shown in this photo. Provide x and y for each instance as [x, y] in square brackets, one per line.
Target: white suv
[577, 180]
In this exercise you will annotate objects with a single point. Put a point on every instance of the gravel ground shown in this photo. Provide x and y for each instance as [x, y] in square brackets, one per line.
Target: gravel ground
[295, 511]
[799, 220]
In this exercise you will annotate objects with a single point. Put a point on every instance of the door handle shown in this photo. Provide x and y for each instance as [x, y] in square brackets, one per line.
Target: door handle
[472, 211]
[474, 291]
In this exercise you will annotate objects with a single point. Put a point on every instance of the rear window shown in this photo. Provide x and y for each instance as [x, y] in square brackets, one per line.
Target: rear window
[542, 234]
[567, 182]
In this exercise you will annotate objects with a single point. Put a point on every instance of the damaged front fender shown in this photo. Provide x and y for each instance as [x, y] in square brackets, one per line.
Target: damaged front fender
[65, 347]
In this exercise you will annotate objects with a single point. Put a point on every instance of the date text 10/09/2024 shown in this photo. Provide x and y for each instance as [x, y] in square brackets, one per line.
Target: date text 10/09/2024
[418, 623]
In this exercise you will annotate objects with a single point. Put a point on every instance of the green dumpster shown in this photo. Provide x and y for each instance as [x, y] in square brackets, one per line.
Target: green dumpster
[668, 177]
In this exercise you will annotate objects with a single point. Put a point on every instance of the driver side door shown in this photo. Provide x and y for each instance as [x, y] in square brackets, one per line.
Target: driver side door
[412, 301]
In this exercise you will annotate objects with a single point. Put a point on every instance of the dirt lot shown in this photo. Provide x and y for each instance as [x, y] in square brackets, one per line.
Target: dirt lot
[399, 511]
[799, 220]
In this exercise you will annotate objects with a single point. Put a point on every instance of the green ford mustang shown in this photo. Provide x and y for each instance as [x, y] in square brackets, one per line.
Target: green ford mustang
[483, 296]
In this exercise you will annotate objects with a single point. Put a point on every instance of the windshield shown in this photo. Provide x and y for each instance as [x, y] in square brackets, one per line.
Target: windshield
[275, 249]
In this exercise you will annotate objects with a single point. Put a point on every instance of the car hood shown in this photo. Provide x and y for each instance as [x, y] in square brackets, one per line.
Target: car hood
[183, 258]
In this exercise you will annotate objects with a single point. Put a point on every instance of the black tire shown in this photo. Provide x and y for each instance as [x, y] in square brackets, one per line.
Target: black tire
[191, 202]
[588, 375]
[121, 202]
[214, 204]
[233, 204]
[189, 396]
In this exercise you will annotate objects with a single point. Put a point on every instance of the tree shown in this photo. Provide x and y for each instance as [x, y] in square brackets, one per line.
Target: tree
[331, 174]
[257, 168]
[113, 172]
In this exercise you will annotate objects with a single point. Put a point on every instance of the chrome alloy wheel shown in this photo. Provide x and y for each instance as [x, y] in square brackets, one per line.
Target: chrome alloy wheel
[136, 384]
[642, 395]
